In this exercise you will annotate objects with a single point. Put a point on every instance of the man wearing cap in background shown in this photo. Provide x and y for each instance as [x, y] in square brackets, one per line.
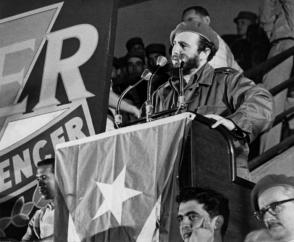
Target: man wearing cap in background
[136, 45]
[117, 86]
[224, 94]
[241, 47]
[273, 201]
[223, 56]
[135, 67]
[243, 20]
[153, 51]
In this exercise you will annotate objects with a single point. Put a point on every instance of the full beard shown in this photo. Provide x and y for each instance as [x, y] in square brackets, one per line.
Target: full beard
[189, 65]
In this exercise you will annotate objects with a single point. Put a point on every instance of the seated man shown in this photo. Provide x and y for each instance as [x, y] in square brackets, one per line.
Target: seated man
[203, 215]
[273, 201]
[42, 223]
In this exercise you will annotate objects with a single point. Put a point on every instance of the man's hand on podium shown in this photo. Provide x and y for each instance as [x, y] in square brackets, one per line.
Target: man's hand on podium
[221, 120]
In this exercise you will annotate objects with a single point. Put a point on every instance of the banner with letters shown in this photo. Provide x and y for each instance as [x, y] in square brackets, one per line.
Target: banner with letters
[55, 67]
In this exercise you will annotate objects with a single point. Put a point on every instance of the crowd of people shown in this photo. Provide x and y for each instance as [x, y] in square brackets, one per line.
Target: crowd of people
[214, 86]
[203, 213]
[257, 38]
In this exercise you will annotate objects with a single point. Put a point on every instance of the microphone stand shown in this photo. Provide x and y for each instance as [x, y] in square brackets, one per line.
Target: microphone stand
[146, 75]
[160, 62]
[181, 98]
[149, 104]
[157, 90]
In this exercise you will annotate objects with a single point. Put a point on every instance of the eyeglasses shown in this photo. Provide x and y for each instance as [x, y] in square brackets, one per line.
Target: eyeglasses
[273, 208]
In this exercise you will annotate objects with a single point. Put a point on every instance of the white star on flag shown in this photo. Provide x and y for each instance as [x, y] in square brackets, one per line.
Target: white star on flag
[114, 195]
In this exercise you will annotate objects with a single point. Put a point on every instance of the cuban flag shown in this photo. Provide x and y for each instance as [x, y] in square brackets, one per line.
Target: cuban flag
[120, 185]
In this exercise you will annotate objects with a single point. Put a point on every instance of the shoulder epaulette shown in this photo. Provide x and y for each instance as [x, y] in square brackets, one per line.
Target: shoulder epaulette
[226, 70]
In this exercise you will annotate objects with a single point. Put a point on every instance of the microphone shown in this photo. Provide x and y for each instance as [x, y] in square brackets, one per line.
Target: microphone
[181, 98]
[160, 62]
[178, 61]
[145, 76]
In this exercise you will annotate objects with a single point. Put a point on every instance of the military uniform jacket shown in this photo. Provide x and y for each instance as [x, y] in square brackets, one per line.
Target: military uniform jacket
[225, 92]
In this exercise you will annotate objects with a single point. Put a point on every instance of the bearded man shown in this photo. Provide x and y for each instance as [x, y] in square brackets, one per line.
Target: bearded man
[222, 94]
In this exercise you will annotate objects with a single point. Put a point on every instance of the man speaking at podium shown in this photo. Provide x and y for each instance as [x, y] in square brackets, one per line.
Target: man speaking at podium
[222, 94]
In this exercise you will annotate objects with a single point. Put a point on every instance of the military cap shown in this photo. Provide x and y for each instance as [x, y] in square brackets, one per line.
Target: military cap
[196, 27]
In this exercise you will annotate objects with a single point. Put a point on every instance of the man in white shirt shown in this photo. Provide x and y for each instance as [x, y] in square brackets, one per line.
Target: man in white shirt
[41, 226]
[203, 215]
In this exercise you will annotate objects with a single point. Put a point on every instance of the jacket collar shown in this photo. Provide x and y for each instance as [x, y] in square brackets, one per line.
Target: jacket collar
[205, 75]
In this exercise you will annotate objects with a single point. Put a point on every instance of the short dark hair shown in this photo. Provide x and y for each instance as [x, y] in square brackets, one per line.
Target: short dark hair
[46, 162]
[214, 202]
[205, 43]
[198, 9]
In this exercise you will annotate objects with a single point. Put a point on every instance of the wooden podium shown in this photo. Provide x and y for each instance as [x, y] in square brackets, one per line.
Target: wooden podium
[209, 161]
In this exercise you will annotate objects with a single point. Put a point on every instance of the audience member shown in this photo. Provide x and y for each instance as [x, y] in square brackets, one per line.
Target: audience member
[153, 51]
[136, 45]
[135, 67]
[118, 75]
[277, 19]
[251, 45]
[203, 215]
[273, 201]
[41, 226]
[128, 110]
[259, 44]
[243, 20]
[223, 57]
[224, 94]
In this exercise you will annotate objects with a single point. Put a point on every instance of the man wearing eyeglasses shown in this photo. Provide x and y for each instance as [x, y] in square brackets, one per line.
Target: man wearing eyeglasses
[273, 201]
[41, 225]
[203, 215]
